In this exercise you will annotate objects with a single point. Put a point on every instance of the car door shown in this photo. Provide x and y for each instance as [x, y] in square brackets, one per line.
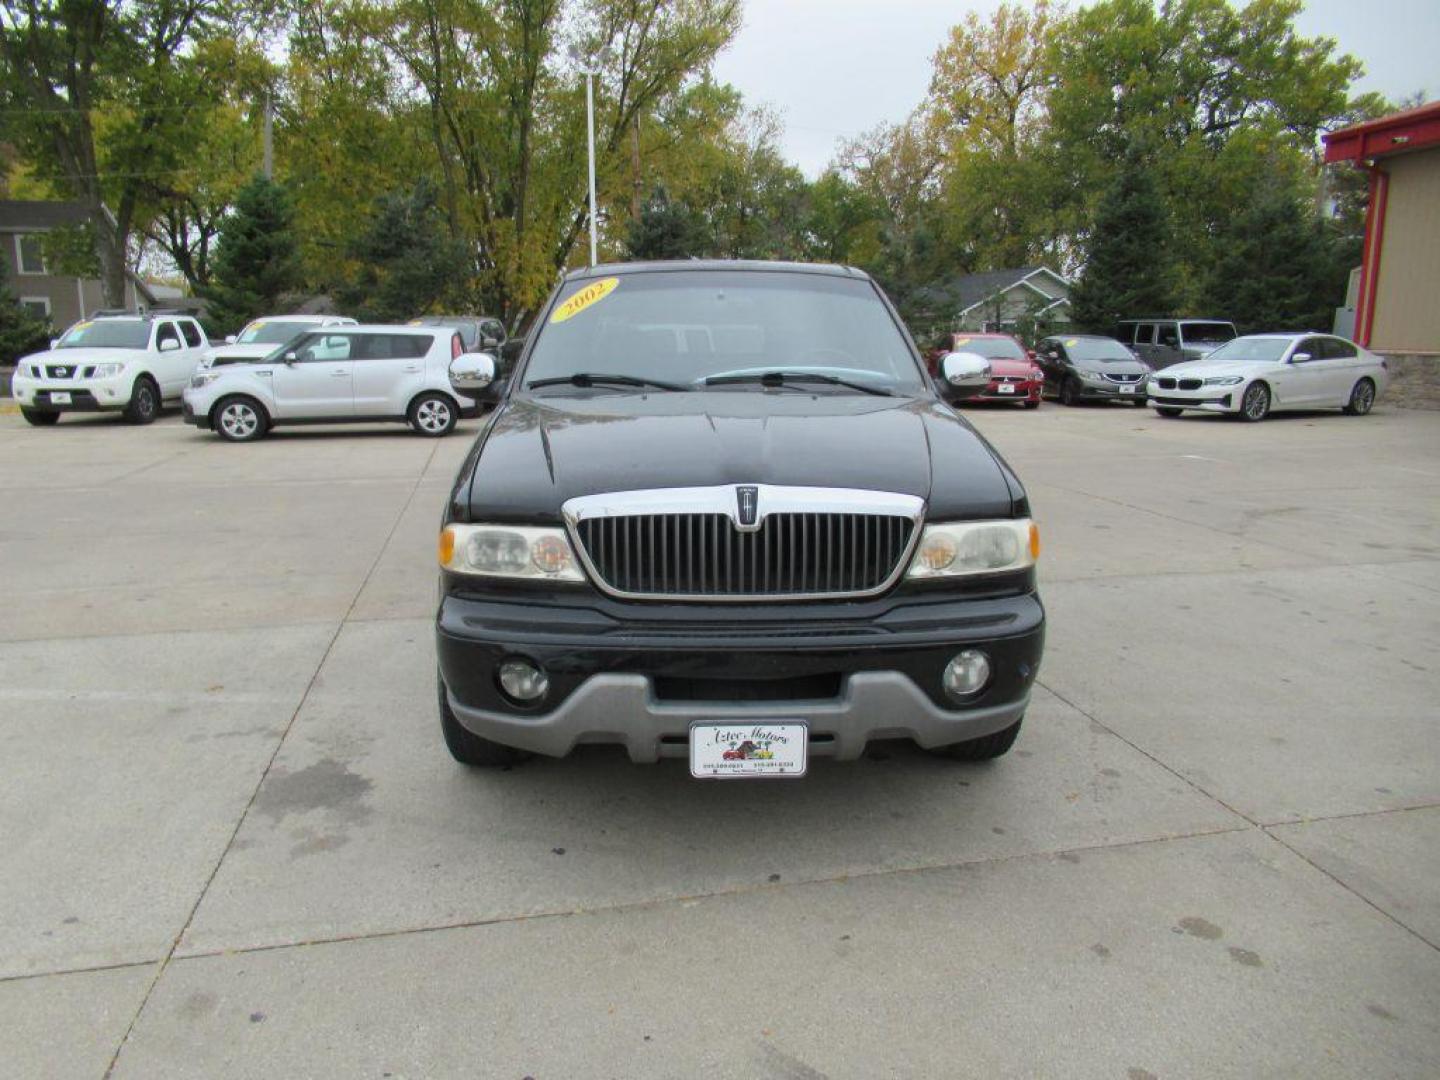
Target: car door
[389, 369]
[1302, 380]
[1166, 350]
[1340, 370]
[1143, 342]
[314, 380]
[188, 359]
[169, 358]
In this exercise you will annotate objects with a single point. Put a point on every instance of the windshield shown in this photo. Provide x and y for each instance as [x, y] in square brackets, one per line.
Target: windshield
[1207, 333]
[263, 332]
[686, 326]
[1106, 350]
[107, 334]
[1264, 349]
[994, 348]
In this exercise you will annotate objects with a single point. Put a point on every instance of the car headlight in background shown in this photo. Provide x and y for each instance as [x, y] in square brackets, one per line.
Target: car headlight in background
[509, 551]
[975, 547]
[105, 371]
[1093, 376]
[1224, 380]
[204, 378]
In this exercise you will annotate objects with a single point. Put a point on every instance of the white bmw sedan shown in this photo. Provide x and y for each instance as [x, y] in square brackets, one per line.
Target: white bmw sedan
[1255, 375]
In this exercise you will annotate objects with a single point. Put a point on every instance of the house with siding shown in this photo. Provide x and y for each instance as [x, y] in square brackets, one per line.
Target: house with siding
[61, 298]
[999, 300]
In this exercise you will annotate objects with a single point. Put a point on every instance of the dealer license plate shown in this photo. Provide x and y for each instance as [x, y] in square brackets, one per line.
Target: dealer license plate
[1006, 388]
[59, 397]
[1127, 389]
[727, 751]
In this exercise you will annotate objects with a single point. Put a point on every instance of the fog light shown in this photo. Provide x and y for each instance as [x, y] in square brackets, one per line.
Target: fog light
[523, 681]
[967, 673]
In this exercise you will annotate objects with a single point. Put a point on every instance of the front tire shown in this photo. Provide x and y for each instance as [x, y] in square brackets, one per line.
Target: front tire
[1070, 392]
[1168, 410]
[239, 419]
[144, 404]
[465, 746]
[985, 748]
[1255, 405]
[433, 415]
[1032, 404]
[40, 418]
[1362, 399]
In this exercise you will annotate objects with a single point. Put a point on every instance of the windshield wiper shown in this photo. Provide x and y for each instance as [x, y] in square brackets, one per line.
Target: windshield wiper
[586, 379]
[793, 378]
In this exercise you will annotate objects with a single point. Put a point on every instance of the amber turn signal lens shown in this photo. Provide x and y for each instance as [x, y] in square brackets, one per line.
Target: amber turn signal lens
[447, 546]
[1034, 541]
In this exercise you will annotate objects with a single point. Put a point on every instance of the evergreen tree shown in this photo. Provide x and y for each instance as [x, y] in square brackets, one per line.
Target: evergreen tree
[1129, 267]
[408, 260]
[21, 332]
[257, 257]
[666, 229]
[1277, 267]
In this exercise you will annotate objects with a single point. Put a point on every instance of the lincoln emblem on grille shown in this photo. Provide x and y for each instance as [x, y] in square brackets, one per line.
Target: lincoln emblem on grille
[749, 499]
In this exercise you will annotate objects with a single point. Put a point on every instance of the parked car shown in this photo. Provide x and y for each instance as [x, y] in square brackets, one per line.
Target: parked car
[127, 362]
[336, 374]
[480, 333]
[1258, 374]
[1161, 342]
[1091, 367]
[260, 337]
[1014, 375]
[722, 497]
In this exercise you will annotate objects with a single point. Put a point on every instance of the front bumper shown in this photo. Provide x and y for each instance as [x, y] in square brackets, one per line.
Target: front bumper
[86, 395]
[1109, 391]
[1206, 400]
[873, 673]
[1026, 391]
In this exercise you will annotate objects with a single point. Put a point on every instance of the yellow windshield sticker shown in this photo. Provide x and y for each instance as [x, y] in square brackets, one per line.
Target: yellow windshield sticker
[591, 294]
[414, 322]
[1071, 342]
[257, 324]
[961, 341]
[83, 325]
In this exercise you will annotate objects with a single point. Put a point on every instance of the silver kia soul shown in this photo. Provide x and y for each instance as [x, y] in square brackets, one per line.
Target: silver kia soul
[343, 375]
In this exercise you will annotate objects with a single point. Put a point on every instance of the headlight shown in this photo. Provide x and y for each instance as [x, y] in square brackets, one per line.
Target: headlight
[509, 551]
[104, 371]
[1224, 380]
[1094, 376]
[975, 547]
[204, 378]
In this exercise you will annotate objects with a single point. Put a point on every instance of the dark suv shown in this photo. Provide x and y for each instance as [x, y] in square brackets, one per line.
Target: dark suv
[722, 513]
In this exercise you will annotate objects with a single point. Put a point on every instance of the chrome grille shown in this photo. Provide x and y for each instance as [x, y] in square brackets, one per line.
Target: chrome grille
[706, 555]
[1190, 384]
[61, 371]
[1122, 378]
[1166, 382]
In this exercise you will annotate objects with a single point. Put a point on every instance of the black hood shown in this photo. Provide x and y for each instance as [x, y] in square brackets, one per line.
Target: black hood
[537, 453]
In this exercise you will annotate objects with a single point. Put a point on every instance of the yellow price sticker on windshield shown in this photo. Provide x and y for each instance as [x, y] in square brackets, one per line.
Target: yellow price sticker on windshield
[1072, 342]
[83, 325]
[961, 341]
[257, 324]
[586, 297]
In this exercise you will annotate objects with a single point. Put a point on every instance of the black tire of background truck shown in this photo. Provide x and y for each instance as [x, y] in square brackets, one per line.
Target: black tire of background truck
[40, 419]
[1362, 399]
[144, 404]
[433, 414]
[985, 748]
[465, 746]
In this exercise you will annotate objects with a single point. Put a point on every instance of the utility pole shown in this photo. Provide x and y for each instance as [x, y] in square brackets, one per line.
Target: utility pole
[635, 168]
[269, 160]
[590, 126]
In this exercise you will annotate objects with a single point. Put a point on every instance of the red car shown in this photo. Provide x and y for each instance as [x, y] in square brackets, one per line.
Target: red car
[1014, 376]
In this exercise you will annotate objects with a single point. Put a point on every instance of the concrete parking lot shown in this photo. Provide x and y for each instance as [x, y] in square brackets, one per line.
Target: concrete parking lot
[234, 845]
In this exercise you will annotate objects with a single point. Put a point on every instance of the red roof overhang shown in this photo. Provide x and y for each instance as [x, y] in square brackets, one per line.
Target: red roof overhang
[1397, 133]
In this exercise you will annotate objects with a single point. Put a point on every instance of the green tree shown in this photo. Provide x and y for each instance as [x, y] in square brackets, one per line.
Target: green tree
[257, 259]
[407, 259]
[21, 332]
[666, 229]
[1128, 267]
[1278, 266]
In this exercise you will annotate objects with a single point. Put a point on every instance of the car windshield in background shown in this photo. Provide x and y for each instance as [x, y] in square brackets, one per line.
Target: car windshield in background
[1264, 349]
[1208, 333]
[271, 333]
[990, 348]
[686, 326]
[107, 334]
[1105, 350]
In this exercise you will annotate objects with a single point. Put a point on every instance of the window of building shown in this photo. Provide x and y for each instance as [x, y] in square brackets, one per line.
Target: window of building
[38, 306]
[32, 254]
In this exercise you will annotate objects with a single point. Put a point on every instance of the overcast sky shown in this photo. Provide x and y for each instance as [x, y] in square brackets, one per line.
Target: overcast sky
[835, 68]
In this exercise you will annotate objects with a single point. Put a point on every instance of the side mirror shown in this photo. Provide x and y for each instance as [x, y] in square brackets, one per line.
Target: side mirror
[1299, 357]
[964, 374]
[229, 339]
[290, 358]
[472, 371]
[169, 345]
[54, 343]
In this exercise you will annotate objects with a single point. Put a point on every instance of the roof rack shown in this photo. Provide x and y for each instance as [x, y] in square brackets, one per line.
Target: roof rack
[142, 313]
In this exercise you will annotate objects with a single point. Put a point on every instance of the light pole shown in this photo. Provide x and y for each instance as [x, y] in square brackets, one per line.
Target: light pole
[590, 136]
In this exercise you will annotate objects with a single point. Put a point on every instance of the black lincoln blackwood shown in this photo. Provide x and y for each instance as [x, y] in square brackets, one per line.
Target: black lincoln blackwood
[723, 512]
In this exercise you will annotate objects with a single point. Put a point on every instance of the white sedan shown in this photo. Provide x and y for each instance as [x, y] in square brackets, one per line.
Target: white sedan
[1255, 375]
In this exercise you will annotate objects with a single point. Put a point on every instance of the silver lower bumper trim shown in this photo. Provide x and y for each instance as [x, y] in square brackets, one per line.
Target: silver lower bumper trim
[620, 709]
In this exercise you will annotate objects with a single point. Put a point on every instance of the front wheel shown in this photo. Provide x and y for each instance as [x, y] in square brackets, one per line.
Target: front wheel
[1070, 392]
[464, 745]
[1168, 410]
[1255, 405]
[433, 415]
[144, 404]
[985, 748]
[39, 418]
[1362, 399]
[239, 419]
[1032, 404]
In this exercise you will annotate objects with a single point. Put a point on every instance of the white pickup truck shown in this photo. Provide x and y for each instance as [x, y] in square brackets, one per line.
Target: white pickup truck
[127, 363]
